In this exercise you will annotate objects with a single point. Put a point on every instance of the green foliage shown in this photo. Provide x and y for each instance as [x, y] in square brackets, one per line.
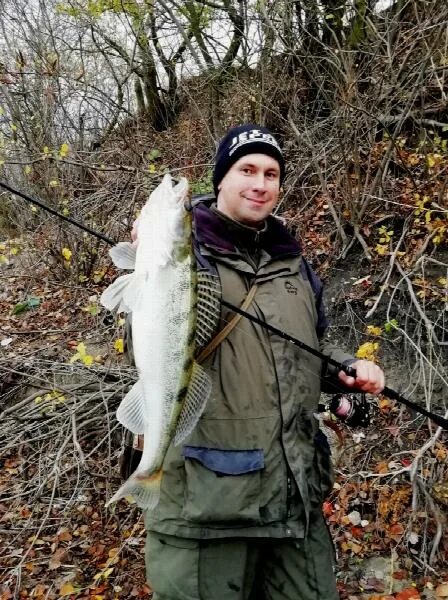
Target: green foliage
[390, 326]
[203, 185]
[154, 154]
[30, 303]
[96, 8]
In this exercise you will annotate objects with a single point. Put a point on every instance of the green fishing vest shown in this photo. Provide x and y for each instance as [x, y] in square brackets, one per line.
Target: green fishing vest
[256, 463]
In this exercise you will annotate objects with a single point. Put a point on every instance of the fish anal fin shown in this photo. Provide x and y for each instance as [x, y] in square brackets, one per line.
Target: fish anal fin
[199, 391]
[130, 413]
[123, 255]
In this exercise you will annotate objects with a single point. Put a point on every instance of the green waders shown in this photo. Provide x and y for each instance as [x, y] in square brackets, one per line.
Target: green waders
[243, 569]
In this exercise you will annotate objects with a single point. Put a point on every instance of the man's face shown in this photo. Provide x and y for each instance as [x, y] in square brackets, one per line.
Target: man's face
[250, 188]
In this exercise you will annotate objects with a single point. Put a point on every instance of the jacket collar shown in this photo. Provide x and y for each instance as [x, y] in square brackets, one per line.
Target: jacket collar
[225, 235]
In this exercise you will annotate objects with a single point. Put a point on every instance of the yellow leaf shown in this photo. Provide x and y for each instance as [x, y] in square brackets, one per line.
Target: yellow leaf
[46, 150]
[14, 251]
[3, 260]
[380, 249]
[103, 574]
[2, 112]
[63, 151]
[66, 253]
[367, 351]
[121, 322]
[107, 572]
[152, 168]
[81, 347]
[119, 346]
[14, 127]
[66, 589]
[27, 170]
[34, 209]
[372, 330]
[53, 183]
[87, 359]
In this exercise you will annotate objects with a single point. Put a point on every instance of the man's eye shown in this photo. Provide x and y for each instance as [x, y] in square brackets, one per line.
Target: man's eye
[247, 170]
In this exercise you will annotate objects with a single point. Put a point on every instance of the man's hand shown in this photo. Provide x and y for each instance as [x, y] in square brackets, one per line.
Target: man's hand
[134, 233]
[369, 377]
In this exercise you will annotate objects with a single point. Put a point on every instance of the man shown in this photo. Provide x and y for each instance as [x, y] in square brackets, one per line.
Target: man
[240, 510]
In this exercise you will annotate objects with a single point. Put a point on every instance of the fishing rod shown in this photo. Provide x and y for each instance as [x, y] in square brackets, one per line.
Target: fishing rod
[347, 369]
[57, 214]
[392, 394]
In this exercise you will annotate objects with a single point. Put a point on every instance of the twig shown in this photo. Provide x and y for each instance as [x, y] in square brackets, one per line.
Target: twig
[389, 272]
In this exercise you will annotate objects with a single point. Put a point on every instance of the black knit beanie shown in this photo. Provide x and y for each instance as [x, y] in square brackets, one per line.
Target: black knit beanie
[242, 140]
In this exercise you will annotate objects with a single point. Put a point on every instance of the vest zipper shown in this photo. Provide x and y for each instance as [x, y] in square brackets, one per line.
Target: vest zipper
[288, 495]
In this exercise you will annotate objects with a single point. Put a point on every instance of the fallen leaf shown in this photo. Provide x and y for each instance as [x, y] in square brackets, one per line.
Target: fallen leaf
[64, 535]
[66, 589]
[408, 594]
[442, 590]
[57, 558]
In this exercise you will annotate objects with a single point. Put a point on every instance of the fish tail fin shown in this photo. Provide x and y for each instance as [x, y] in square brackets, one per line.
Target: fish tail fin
[143, 488]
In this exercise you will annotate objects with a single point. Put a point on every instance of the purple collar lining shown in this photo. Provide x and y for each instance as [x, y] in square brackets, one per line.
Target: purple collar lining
[221, 235]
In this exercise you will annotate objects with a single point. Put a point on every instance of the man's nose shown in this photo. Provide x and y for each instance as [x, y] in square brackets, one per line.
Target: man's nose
[258, 181]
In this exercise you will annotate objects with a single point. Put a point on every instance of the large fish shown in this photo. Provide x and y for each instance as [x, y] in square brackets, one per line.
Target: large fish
[161, 294]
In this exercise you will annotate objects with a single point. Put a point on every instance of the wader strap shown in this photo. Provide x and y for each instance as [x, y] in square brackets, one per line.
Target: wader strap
[221, 335]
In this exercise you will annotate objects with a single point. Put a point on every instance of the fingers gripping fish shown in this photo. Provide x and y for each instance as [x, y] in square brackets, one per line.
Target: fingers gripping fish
[161, 294]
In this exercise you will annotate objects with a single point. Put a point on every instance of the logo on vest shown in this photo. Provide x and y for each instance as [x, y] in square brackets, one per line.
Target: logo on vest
[290, 288]
[249, 137]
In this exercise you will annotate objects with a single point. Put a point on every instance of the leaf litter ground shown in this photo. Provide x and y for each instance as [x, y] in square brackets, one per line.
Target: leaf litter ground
[60, 445]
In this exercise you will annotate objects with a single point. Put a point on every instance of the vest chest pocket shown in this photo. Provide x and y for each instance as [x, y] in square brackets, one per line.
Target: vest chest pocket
[222, 486]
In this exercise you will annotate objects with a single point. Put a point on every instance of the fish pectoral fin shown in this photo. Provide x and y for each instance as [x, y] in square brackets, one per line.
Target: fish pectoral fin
[113, 296]
[123, 255]
[130, 413]
[196, 398]
[208, 307]
[143, 488]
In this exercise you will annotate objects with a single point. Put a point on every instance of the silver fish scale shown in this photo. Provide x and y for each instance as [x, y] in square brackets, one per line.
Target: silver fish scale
[178, 314]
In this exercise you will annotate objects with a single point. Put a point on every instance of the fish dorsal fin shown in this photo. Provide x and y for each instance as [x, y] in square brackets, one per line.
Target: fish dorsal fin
[199, 391]
[113, 296]
[123, 255]
[131, 410]
[208, 309]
